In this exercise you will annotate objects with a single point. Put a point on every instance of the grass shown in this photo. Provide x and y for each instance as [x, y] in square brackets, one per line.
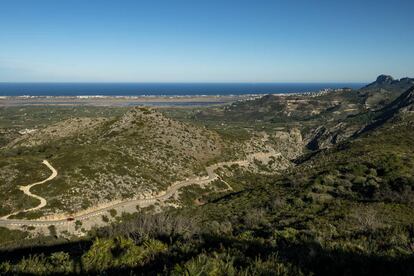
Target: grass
[137, 155]
[40, 116]
[346, 210]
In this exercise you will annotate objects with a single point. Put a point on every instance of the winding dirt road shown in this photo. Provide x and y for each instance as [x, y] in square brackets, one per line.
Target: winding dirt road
[26, 190]
[162, 196]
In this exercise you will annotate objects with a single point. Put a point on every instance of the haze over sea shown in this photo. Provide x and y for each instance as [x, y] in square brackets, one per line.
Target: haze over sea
[158, 89]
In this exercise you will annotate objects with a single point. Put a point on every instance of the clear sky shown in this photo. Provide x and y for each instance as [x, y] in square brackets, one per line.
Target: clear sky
[205, 40]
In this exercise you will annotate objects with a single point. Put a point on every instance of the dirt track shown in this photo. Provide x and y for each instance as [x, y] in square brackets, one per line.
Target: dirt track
[97, 211]
[26, 190]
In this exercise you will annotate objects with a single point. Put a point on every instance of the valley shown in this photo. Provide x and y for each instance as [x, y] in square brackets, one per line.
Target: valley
[296, 183]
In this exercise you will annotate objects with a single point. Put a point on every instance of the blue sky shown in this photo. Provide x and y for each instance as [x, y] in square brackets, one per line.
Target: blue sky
[205, 41]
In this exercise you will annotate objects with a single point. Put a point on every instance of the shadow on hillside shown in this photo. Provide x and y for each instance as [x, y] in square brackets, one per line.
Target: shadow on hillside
[310, 256]
[46, 247]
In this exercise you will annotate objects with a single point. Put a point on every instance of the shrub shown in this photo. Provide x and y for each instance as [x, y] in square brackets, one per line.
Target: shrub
[119, 253]
[207, 265]
[105, 218]
[272, 266]
[52, 230]
[113, 212]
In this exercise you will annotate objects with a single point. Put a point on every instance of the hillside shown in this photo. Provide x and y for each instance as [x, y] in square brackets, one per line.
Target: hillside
[384, 90]
[324, 119]
[343, 208]
[329, 134]
[136, 155]
[387, 82]
[285, 109]
[310, 111]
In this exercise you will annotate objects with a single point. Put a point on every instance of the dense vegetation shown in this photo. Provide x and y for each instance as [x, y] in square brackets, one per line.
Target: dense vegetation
[342, 210]
[346, 210]
[100, 151]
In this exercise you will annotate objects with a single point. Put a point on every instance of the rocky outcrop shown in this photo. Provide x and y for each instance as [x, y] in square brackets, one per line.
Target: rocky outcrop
[389, 83]
[403, 103]
[384, 79]
[383, 91]
[324, 136]
[381, 80]
[289, 143]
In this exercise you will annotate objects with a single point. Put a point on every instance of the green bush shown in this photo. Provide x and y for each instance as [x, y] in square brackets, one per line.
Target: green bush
[119, 253]
[207, 265]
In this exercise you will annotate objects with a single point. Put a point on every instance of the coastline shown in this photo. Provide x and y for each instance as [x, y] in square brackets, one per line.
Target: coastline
[148, 100]
[98, 100]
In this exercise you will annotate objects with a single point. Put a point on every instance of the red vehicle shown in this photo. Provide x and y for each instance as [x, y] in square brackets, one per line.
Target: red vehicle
[70, 219]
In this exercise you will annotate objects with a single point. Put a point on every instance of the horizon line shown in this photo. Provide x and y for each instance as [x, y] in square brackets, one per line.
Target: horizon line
[182, 82]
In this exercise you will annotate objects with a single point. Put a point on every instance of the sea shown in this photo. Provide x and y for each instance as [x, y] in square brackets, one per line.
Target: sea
[163, 89]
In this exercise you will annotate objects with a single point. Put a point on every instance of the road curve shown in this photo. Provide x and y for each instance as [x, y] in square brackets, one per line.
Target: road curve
[211, 176]
[26, 190]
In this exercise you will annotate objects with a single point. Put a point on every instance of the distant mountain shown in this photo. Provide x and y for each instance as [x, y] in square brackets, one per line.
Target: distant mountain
[381, 80]
[324, 118]
[329, 134]
[384, 90]
[389, 83]
[283, 109]
[343, 209]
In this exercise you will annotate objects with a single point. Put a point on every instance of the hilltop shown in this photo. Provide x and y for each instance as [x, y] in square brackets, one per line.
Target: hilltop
[135, 155]
[102, 159]
[387, 82]
[314, 187]
[324, 119]
[384, 90]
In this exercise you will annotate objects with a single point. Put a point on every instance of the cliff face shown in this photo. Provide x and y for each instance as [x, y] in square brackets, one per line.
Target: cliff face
[388, 82]
[384, 90]
[326, 136]
[404, 102]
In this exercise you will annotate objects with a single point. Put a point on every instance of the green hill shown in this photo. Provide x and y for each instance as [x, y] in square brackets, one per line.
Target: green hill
[344, 208]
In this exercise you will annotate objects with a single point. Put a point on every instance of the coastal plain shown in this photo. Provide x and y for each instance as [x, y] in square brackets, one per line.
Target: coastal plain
[122, 100]
[296, 183]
